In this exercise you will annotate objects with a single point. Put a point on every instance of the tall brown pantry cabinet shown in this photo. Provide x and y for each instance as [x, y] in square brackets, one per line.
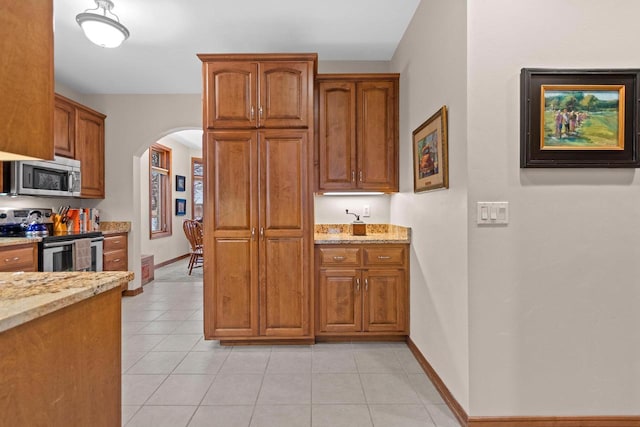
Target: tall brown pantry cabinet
[258, 124]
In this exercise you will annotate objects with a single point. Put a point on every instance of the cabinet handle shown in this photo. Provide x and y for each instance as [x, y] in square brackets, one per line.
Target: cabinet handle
[357, 285]
[11, 259]
[116, 260]
[253, 233]
[260, 111]
[115, 242]
[338, 258]
[253, 113]
[360, 176]
[262, 233]
[366, 285]
[353, 176]
[383, 257]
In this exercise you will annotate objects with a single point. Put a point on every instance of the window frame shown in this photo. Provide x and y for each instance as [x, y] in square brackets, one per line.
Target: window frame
[195, 178]
[166, 195]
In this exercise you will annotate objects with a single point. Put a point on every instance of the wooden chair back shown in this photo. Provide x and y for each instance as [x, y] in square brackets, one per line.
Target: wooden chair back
[193, 231]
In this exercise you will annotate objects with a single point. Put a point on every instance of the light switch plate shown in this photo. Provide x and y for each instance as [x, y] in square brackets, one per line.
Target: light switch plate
[490, 213]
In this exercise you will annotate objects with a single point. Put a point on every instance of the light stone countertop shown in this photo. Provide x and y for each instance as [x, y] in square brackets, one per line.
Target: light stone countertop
[12, 241]
[338, 234]
[27, 296]
[111, 227]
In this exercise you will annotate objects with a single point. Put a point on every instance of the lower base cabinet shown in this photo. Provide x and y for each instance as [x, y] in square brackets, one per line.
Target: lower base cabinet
[115, 255]
[21, 257]
[362, 290]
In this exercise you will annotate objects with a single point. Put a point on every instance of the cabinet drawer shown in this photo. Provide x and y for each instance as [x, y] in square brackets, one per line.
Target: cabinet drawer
[340, 256]
[115, 261]
[18, 259]
[384, 256]
[114, 243]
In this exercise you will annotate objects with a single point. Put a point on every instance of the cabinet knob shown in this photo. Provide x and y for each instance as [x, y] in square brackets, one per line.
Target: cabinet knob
[253, 233]
[260, 111]
[366, 285]
[262, 233]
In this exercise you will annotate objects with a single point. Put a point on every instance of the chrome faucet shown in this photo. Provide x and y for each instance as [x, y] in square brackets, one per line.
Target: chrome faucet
[354, 214]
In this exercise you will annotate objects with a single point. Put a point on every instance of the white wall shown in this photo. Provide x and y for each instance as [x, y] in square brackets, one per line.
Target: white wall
[133, 123]
[176, 245]
[553, 296]
[331, 209]
[432, 61]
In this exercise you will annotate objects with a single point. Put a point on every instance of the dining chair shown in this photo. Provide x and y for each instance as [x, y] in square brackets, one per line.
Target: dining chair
[193, 231]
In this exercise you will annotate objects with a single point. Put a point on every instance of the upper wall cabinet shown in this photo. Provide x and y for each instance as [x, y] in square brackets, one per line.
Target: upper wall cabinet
[79, 134]
[273, 92]
[357, 132]
[26, 79]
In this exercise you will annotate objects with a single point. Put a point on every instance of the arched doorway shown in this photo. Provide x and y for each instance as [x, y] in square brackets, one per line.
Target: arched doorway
[165, 172]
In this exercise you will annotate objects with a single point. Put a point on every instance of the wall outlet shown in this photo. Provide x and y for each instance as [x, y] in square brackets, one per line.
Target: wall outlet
[366, 210]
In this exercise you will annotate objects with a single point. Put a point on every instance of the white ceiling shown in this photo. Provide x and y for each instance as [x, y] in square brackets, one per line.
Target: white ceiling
[160, 55]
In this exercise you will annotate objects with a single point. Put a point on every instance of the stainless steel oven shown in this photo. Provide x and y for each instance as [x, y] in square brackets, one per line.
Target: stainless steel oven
[57, 253]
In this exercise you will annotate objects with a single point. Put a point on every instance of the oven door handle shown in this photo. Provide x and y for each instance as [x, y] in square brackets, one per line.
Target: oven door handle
[68, 242]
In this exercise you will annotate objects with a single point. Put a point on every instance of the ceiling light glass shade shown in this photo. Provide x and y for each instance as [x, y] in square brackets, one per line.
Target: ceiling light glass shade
[100, 28]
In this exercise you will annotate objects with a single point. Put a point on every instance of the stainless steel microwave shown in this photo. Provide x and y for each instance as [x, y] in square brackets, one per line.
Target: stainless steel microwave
[60, 177]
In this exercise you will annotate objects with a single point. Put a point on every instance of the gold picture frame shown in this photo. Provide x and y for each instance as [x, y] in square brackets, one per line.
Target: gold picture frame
[430, 153]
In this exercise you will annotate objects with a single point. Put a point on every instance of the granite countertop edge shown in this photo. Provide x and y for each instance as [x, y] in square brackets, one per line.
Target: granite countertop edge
[112, 232]
[340, 234]
[15, 312]
[15, 241]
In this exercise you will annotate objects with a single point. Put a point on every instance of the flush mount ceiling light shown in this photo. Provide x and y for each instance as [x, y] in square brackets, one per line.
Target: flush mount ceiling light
[101, 28]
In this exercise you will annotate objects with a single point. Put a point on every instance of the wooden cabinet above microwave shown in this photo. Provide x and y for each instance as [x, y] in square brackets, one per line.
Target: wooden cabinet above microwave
[79, 134]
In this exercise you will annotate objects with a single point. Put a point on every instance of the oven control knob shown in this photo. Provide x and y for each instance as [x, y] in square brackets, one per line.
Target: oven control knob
[3, 215]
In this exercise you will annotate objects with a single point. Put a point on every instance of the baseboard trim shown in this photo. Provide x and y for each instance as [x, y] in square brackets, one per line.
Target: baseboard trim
[590, 421]
[132, 292]
[446, 395]
[170, 261]
[542, 421]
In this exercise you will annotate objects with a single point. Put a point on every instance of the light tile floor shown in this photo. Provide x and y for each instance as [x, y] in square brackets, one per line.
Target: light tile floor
[172, 377]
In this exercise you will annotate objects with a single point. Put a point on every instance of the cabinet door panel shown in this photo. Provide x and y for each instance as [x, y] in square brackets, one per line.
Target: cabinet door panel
[284, 294]
[377, 156]
[230, 94]
[90, 152]
[64, 126]
[340, 303]
[231, 308]
[230, 247]
[337, 135]
[284, 189]
[384, 301]
[27, 83]
[285, 94]
[231, 159]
